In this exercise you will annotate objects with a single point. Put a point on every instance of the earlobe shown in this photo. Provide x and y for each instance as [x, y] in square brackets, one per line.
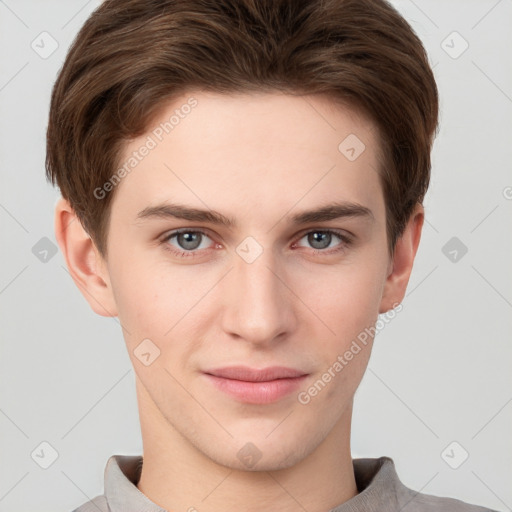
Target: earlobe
[85, 264]
[402, 262]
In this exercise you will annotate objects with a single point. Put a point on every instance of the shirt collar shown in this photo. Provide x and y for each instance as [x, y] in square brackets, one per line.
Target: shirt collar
[122, 474]
[376, 479]
[378, 485]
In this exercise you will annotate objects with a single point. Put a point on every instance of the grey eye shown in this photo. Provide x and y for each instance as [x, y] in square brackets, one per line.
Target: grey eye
[189, 240]
[319, 239]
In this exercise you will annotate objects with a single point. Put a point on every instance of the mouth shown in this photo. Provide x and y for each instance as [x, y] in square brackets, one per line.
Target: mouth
[256, 386]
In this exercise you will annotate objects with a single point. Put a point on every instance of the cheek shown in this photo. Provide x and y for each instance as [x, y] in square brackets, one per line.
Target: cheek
[153, 296]
[144, 301]
[348, 304]
[346, 300]
[158, 301]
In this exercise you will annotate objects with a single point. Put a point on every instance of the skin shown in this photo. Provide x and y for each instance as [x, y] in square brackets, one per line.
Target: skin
[259, 159]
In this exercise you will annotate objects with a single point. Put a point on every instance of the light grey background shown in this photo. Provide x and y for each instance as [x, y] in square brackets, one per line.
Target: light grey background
[440, 371]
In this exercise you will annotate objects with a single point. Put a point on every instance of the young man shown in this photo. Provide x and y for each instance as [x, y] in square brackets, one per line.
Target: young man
[242, 186]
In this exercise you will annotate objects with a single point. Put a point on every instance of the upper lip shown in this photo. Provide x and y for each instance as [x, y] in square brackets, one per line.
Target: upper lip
[254, 374]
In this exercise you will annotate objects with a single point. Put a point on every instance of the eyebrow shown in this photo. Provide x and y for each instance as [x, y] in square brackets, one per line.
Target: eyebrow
[327, 212]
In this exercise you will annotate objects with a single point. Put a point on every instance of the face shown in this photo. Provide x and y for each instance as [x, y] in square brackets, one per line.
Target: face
[239, 307]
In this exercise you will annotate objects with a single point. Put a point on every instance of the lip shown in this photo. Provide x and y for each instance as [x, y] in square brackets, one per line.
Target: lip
[256, 386]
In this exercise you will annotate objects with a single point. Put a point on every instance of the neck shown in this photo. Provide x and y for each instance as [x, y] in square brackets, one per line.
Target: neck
[177, 476]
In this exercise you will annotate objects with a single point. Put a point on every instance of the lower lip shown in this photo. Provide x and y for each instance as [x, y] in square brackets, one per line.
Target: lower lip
[257, 392]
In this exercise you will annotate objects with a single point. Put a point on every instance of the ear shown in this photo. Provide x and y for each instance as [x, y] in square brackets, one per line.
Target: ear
[86, 265]
[400, 266]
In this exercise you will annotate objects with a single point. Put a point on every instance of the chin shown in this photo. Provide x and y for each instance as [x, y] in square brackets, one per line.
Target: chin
[260, 454]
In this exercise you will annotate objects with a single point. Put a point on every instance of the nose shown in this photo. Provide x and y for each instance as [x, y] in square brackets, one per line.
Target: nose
[258, 304]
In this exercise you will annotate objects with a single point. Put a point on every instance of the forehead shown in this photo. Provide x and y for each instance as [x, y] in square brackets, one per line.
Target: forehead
[251, 153]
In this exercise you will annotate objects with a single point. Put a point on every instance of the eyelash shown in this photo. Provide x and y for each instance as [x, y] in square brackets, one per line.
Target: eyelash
[345, 239]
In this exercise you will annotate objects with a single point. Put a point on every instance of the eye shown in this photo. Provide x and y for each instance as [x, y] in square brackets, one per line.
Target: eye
[322, 239]
[187, 242]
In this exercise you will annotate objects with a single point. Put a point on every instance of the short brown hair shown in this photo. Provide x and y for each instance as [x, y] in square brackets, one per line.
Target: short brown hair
[131, 56]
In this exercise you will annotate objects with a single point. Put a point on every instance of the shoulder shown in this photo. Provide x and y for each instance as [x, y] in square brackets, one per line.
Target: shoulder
[97, 504]
[420, 502]
[414, 501]
[381, 489]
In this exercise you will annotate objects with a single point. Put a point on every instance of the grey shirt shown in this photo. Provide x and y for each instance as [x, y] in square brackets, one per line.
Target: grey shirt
[378, 485]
